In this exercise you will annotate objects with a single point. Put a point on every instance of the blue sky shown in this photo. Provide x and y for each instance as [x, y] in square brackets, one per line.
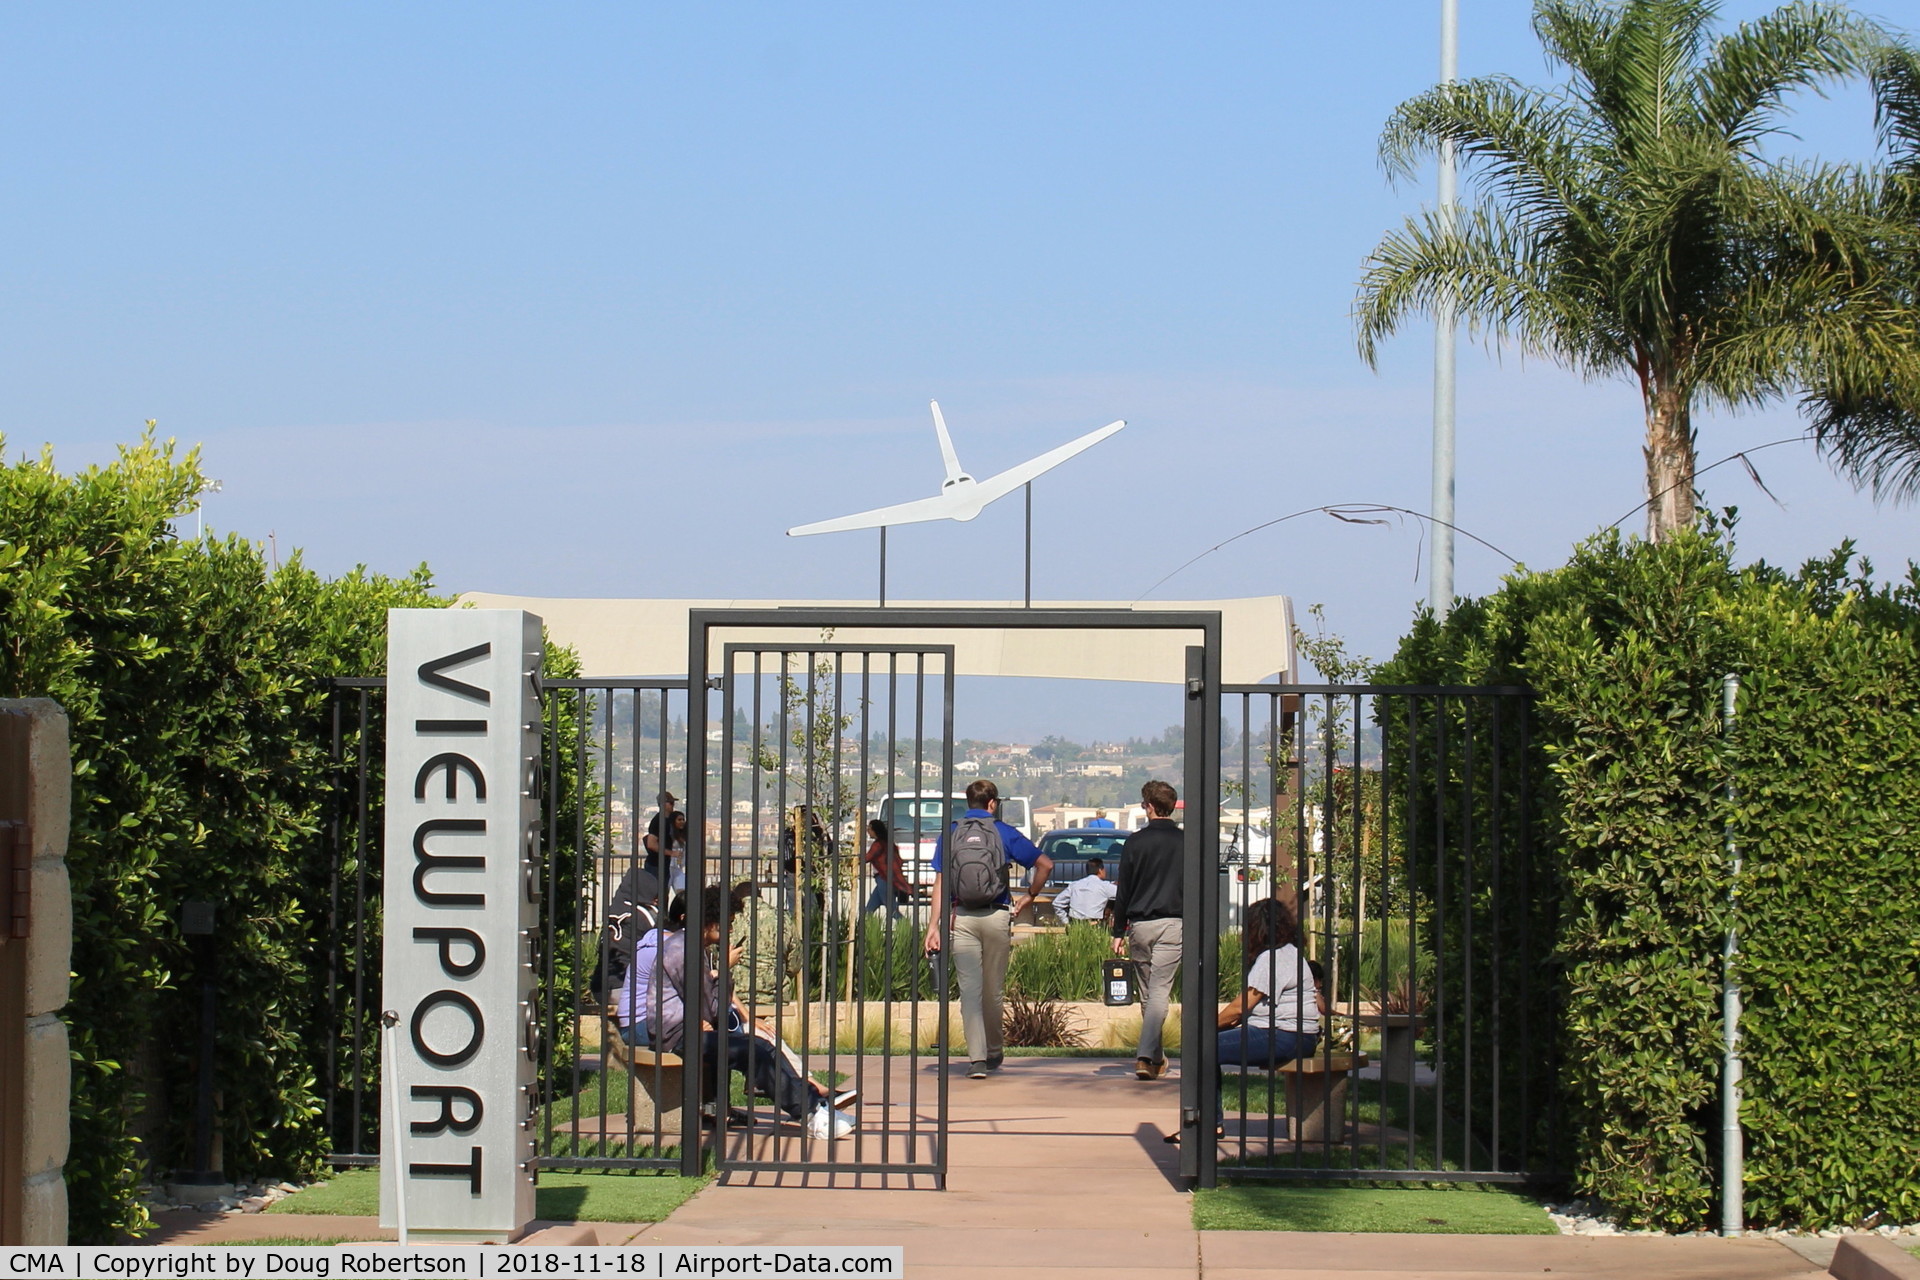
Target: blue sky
[592, 299]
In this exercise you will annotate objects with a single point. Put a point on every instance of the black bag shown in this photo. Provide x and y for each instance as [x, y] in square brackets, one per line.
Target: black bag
[975, 863]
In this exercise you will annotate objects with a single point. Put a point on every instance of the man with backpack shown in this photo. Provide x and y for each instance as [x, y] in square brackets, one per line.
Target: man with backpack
[971, 885]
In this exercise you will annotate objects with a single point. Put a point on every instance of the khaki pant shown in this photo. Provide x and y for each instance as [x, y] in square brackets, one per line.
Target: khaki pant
[1155, 948]
[982, 944]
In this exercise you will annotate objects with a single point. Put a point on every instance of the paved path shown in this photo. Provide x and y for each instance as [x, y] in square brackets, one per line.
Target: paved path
[1058, 1167]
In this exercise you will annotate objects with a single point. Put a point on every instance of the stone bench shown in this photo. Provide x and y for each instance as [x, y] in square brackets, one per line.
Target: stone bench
[655, 1085]
[1316, 1091]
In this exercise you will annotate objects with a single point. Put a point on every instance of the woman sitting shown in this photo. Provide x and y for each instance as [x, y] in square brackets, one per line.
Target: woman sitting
[1277, 1017]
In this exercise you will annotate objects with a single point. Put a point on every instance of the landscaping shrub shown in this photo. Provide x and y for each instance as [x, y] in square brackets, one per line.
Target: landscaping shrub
[1070, 965]
[893, 965]
[1067, 965]
[195, 677]
[1038, 1024]
[1626, 646]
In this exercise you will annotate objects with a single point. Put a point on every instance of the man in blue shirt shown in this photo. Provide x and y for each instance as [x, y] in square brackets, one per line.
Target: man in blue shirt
[983, 936]
[1101, 820]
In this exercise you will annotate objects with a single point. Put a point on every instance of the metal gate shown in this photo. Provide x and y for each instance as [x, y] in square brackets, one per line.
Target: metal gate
[1386, 832]
[832, 989]
[610, 748]
[826, 688]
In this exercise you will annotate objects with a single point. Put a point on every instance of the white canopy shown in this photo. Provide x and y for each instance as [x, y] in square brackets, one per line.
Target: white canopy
[649, 637]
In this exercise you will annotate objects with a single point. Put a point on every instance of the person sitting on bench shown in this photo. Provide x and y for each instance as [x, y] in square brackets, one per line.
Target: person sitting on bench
[1277, 1017]
[659, 1019]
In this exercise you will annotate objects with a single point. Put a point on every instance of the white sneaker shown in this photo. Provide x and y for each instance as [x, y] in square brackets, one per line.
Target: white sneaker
[826, 1124]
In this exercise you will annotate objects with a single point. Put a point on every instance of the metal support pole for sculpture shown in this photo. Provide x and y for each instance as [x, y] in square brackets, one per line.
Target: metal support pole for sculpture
[1733, 1161]
[1029, 544]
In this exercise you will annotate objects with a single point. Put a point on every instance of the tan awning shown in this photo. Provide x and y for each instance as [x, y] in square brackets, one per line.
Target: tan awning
[649, 637]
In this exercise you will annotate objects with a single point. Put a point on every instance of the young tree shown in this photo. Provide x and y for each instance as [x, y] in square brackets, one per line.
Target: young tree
[1627, 223]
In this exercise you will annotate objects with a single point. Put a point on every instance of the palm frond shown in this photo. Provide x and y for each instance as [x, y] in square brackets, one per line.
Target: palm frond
[1741, 86]
[1516, 144]
[1896, 95]
[1871, 437]
[1491, 274]
[1578, 34]
[1657, 45]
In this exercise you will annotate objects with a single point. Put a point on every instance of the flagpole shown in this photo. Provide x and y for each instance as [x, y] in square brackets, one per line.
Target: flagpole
[1440, 579]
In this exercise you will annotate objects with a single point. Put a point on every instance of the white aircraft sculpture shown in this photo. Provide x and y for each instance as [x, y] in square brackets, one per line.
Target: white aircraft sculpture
[961, 497]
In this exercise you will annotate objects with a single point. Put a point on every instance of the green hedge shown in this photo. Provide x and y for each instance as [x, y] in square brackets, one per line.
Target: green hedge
[194, 678]
[1626, 647]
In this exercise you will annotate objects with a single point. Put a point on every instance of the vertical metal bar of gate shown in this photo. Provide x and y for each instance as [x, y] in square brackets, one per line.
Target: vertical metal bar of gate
[1199, 1051]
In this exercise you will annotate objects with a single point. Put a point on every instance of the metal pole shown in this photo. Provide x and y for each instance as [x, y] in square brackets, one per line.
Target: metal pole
[1029, 487]
[1440, 585]
[390, 1064]
[1733, 1157]
[203, 1088]
[883, 566]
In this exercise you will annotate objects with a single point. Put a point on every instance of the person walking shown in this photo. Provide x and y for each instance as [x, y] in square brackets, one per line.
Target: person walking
[805, 858]
[971, 888]
[890, 886]
[662, 831]
[1148, 908]
[1086, 899]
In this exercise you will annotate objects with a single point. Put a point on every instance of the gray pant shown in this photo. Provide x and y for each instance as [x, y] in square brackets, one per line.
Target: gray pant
[1155, 948]
[982, 943]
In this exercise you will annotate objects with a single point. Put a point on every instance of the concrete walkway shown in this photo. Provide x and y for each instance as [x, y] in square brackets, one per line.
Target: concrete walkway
[1058, 1165]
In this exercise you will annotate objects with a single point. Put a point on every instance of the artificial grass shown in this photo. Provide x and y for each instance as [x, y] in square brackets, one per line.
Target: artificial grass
[612, 1197]
[1463, 1210]
[351, 1192]
[283, 1241]
[560, 1197]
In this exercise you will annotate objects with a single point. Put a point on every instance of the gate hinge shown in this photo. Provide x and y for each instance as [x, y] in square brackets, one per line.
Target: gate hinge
[1196, 687]
[16, 878]
[713, 683]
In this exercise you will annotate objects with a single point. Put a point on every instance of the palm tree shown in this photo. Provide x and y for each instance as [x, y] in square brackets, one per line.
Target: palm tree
[1865, 406]
[1626, 223]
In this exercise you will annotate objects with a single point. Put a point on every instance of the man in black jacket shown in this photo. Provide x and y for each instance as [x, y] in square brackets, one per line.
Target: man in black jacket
[1147, 913]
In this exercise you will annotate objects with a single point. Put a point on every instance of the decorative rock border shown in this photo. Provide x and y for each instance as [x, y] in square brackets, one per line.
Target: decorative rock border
[1590, 1218]
[251, 1198]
